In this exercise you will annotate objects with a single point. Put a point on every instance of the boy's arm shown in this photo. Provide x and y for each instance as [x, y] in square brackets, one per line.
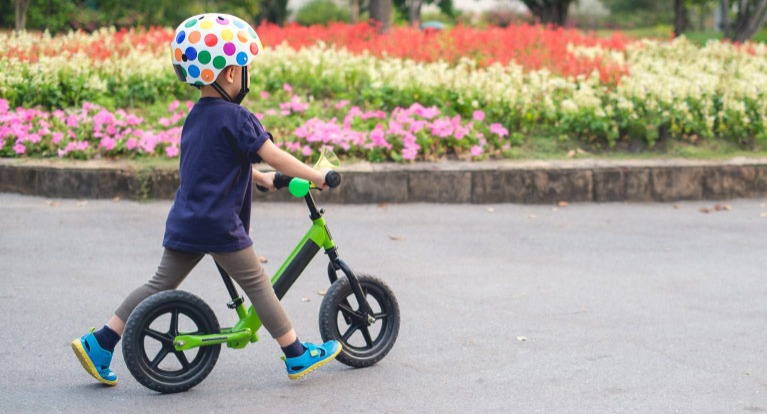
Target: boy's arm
[290, 165]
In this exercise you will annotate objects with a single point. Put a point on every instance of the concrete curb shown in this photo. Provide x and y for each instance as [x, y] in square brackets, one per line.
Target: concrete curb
[534, 182]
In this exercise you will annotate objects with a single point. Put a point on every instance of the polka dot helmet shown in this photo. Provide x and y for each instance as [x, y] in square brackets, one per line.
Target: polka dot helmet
[204, 45]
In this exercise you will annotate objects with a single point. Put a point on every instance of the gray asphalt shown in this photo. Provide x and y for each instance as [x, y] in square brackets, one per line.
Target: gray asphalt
[585, 308]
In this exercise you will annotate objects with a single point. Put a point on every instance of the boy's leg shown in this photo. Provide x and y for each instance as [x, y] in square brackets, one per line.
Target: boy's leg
[243, 266]
[300, 358]
[95, 349]
[173, 269]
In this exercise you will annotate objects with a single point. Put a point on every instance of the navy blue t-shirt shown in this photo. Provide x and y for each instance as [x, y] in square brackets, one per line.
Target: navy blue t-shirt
[211, 213]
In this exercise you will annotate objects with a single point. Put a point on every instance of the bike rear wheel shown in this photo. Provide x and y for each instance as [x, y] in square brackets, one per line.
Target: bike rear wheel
[148, 341]
[341, 318]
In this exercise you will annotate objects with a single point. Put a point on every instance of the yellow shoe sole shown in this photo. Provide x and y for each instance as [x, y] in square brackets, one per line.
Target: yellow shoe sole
[317, 365]
[82, 355]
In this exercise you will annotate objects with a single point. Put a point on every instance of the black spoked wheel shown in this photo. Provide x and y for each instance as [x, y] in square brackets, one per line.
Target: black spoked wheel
[365, 341]
[148, 341]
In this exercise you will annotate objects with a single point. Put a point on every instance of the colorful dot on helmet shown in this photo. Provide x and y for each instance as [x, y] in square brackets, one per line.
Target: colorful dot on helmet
[194, 37]
[191, 53]
[254, 48]
[242, 58]
[239, 23]
[206, 24]
[180, 36]
[227, 35]
[207, 75]
[229, 49]
[190, 23]
[222, 21]
[252, 33]
[219, 62]
[178, 54]
[194, 71]
[204, 57]
[242, 36]
[211, 39]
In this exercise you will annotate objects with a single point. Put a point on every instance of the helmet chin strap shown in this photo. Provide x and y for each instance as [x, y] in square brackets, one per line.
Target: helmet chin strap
[243, 88]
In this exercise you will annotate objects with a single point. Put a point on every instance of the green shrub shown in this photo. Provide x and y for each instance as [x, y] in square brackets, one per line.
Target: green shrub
[321, 12]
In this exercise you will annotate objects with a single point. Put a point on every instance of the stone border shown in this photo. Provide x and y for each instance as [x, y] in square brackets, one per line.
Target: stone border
[534, 182]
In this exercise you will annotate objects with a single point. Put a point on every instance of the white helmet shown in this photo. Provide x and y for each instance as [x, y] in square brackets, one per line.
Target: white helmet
[206, 44]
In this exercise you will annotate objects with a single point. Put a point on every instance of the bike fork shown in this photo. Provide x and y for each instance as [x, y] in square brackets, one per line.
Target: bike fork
[336, 264]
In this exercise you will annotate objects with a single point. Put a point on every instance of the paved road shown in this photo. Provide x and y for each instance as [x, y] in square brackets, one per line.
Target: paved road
[587, 308]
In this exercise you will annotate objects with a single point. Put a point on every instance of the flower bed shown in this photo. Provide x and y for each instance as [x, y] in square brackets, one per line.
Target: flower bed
[369, 95]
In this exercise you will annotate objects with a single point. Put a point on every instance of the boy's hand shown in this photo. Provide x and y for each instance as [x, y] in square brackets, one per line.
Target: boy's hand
[319, 181]
[264, 179]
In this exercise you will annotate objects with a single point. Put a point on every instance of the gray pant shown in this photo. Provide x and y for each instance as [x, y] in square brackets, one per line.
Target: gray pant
[243, 266]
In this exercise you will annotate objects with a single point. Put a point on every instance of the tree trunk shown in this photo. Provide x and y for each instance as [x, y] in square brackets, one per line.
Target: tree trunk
[725, 16]
[680, 17]
[354, 5]
[415, 12]
[751, 17]
[380, 13]
[21, 14]
[553, 12]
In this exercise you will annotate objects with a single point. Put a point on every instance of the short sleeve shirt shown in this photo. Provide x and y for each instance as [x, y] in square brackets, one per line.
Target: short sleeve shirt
[211, 212]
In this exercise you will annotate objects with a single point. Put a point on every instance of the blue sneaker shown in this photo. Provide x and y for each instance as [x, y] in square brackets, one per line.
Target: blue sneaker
[313, 358]
[94, 358]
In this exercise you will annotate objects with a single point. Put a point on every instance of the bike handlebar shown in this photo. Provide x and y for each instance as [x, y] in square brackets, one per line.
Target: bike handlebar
[332, 179]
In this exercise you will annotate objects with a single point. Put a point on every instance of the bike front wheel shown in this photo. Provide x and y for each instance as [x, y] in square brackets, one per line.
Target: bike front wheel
[365, 341]
[148, 341]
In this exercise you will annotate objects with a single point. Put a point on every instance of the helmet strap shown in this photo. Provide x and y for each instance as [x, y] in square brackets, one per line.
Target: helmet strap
[243, 88]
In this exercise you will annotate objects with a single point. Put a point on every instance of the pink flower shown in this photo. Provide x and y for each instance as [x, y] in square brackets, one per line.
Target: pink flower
[72, 121]
[82, 145]
[342, 104]
[264, 95]
[189, 105]
[171, 151]
[259, 115]
[131, 144]
[476, 150]
[499, 130]
[107, 143]
[19, 148]
[287, 88]
[306, 151]
[479, 116]
[3, 106]
[173, 106]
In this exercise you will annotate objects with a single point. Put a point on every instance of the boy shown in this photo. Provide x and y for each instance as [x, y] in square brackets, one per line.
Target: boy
[211, 212]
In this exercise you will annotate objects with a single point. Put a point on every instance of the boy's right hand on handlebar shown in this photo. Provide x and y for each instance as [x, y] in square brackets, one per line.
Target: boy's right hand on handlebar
[319, 181]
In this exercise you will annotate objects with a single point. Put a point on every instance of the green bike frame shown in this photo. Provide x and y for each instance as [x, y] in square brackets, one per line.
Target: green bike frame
[244, 331]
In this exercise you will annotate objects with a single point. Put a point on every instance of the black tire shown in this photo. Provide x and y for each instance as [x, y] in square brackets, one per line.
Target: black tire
[148, 341]
[341, 319]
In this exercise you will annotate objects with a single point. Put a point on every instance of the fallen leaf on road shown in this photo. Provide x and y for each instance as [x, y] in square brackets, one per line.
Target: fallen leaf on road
[763, 214]
[116, 199]
[322, 292]
[521, 338]
[490, 209]
[392, 237]
[563, 204]
[53, 203]
[704, 210]
[305, 299]
[677, 206]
